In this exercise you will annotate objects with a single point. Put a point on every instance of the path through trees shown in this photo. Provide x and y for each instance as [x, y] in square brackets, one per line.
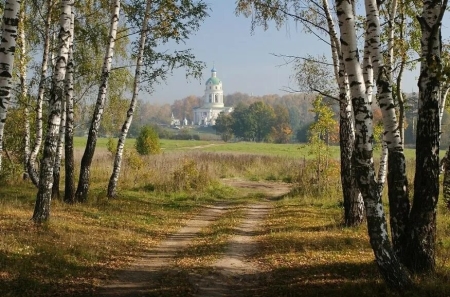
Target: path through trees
[230, 272]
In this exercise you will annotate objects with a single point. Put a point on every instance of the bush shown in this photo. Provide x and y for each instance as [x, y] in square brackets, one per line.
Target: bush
[147, 143]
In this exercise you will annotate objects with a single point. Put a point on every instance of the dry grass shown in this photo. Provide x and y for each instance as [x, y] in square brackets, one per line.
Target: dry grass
[304, 249]
[83, 244]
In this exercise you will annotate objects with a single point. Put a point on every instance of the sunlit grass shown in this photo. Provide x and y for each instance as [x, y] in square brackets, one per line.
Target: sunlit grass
[304, 250]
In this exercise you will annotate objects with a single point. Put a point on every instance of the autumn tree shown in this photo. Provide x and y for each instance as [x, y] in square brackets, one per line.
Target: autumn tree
[281, 130]
[153, 66]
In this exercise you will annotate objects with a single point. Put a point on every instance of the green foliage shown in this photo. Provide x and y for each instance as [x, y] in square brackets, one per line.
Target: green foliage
[148, 141]
[262, 118]
[322, 167]
[111, 146]
[224, 126]
[253, 122]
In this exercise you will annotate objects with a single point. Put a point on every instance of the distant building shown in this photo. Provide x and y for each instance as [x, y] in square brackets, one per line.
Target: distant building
[206, 114]
[174, 122]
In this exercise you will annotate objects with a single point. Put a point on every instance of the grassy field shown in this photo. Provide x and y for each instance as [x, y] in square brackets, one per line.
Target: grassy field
[304, 251]
[294, 150]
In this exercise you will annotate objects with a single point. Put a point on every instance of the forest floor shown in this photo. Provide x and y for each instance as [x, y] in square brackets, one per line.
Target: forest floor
[161, 271]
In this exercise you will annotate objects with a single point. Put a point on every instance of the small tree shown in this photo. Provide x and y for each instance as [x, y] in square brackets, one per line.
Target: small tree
[320, 134]
[224, 126]
[147, 143]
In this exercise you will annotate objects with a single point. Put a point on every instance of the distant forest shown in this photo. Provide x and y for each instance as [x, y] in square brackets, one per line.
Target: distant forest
[298, 105]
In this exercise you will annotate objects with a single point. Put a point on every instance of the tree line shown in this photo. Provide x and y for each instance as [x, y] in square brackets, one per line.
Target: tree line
[255, 122]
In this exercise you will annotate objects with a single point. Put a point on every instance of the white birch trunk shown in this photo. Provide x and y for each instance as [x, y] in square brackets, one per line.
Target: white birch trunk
[24, 90]
[394, 274]
[83, 182]
[397, 181]
[353, 203]
[112, 186]
[422, 228]
[59, 149]
[44, 195]
[40, 98]
[10, 24]
[69, 188]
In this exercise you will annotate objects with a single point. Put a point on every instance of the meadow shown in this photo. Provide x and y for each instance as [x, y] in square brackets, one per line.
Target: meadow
[304, 249]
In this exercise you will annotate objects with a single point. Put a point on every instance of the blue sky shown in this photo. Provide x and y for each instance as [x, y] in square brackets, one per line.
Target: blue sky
[242, 59]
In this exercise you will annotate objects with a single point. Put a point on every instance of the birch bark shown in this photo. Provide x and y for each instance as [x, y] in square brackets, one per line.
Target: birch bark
[112, 186]
[391, 269]
[397, 181]
[40, 98]
[353, 203]
[83, 182]
[24, 89]
[420, 255]
[69, 189]
[44, 195]
[10, 25]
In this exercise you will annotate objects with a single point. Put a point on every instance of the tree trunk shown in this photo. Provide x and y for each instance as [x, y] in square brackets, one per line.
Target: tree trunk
[382, 167]
[44, 195]
[10, 25]
[69, 189]
[397, 181]
[40, 98]
[420, 256]
[24, 91]
[391, 269]
[353, 203]
[59, 149]
[446, 182]
[112, 186]
[83, 182]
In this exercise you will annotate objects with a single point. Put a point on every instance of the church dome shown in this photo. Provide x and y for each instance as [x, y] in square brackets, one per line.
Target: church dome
[213, 81]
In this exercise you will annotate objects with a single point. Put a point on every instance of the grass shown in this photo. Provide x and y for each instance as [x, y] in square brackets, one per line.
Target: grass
[304, 250]
[83, 244]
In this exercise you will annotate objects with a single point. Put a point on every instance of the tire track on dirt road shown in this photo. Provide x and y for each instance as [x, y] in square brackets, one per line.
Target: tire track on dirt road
[233, 272]
[138, 279]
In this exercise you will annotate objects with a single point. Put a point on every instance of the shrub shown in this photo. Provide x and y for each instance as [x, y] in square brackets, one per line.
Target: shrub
[111, 146]
[147, 143]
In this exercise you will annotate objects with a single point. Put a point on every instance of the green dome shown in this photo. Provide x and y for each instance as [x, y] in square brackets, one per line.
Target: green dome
[213, 81]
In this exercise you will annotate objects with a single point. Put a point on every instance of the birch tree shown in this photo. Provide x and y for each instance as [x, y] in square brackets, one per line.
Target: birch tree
[397, 180]
[69, 162]
[24, 100]
[32, 172]
[112, 185]
[83, 182]
[390, 267]
[186, 18]
[420, 253]
[44, 195]
[317, 19]
[10, 23]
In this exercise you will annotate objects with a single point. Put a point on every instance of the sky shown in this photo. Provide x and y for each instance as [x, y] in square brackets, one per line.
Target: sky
[243, 59]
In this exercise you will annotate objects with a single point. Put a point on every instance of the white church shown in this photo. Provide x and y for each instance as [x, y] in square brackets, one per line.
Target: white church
[206, 114]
